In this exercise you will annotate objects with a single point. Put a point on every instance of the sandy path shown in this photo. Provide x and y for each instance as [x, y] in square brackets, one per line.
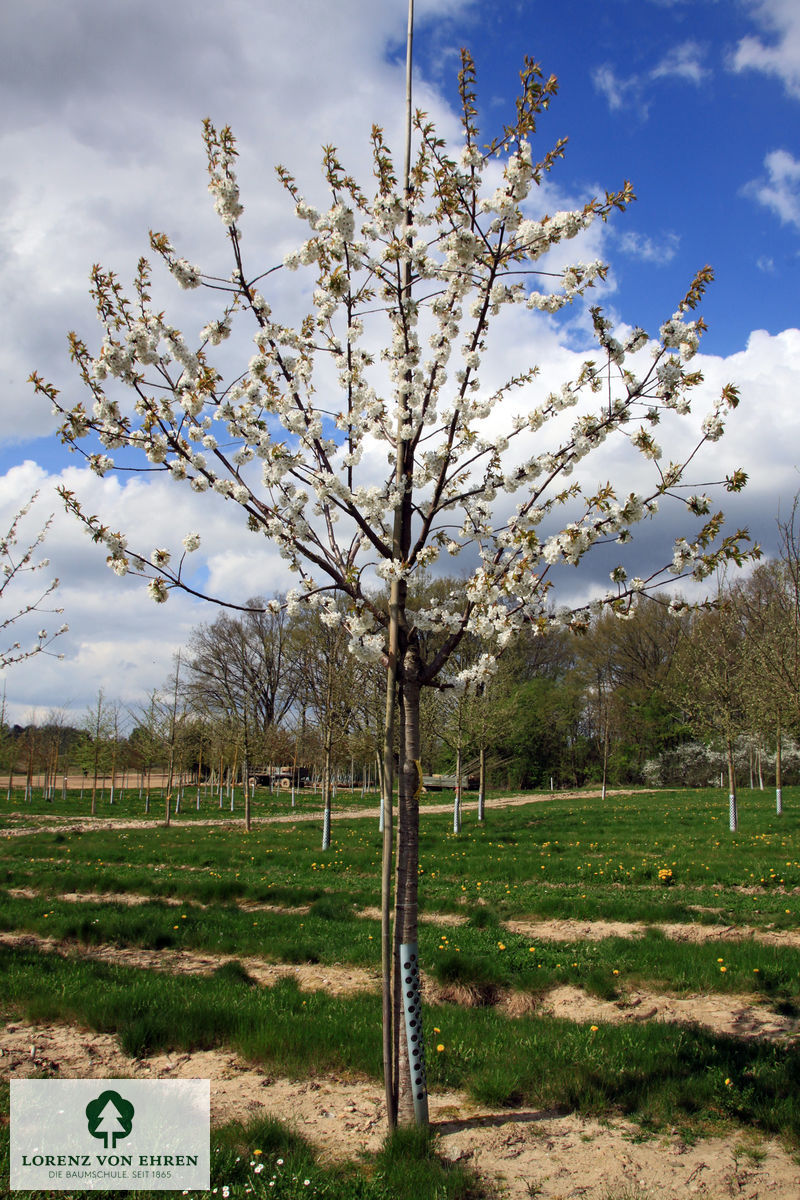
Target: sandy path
[555, 930]
[739, 1015]
[57, 824]
[527, 1152]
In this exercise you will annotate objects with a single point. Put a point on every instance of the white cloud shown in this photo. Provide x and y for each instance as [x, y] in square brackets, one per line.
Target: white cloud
[779, 191]
[105, 144]
[683, 62]
[648, 249]
[780, 55]
[618, 92]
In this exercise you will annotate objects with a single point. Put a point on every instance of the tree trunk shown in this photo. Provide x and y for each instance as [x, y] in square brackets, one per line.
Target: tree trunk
[94, 782]
[457, 797]
[412, 1093]
[482, 785]
[386, 775]
[113, 769]
[326, 788]
[404, 1104]
[168, 803]
[732, 809]
[232, 777]
[778, 773]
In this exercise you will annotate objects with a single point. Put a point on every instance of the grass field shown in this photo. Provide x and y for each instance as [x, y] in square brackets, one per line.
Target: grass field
[653, 858]
[187, 803]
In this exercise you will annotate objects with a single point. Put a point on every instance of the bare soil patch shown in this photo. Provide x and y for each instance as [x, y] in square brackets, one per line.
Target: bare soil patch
[523, 1152]
[336, 980]
[741, 1015]
[569, 930]
[738, 1015]
[565, 929]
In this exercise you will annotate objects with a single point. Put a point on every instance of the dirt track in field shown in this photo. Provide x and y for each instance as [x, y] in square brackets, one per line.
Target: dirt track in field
[744, 1015]
[56, 824]
[563, 929]
[523, 1153]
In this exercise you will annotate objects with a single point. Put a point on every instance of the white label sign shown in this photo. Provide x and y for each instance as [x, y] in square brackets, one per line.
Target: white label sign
[106, 1134]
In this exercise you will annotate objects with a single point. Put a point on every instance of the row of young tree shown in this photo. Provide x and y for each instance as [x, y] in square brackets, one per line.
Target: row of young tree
[662, 698]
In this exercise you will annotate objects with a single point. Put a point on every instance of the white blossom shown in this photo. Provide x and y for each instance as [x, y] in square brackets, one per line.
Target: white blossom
[186, 275]
[157, 590]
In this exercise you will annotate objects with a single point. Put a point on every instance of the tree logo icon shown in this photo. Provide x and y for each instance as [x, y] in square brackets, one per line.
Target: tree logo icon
[110, 1116]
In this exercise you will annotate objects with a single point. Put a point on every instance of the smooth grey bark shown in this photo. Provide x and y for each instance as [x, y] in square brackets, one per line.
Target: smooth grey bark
[733, 813]
[411, 1107]
[778, 772]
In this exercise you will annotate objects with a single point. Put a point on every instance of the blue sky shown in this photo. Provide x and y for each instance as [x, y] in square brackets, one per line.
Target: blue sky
[696, 101]
[662, 94]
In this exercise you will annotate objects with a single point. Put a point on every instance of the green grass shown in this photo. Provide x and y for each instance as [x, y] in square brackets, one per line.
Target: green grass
[476, 954]
[483, 874]
[561, 858]
[554, 859]
[265, 1158]
[131, 804]
[128, 804]
[657, 1074]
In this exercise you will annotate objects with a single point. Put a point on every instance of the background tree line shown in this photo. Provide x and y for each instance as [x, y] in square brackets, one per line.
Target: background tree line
[659, 698]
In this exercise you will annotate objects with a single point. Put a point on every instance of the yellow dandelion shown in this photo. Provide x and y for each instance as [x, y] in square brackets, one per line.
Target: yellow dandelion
[440, 1047]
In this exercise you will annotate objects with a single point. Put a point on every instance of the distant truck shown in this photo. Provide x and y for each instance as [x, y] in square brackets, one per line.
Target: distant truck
[283, 777]
[441, 783]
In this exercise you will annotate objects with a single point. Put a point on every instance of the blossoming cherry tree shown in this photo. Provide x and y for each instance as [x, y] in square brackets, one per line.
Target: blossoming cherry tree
[371, 438]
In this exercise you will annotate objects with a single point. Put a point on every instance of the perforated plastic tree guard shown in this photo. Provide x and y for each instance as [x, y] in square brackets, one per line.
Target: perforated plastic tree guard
[412, 1010]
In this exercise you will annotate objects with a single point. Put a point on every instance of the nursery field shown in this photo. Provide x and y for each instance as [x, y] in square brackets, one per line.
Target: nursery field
[612, 988]
[190, 801]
